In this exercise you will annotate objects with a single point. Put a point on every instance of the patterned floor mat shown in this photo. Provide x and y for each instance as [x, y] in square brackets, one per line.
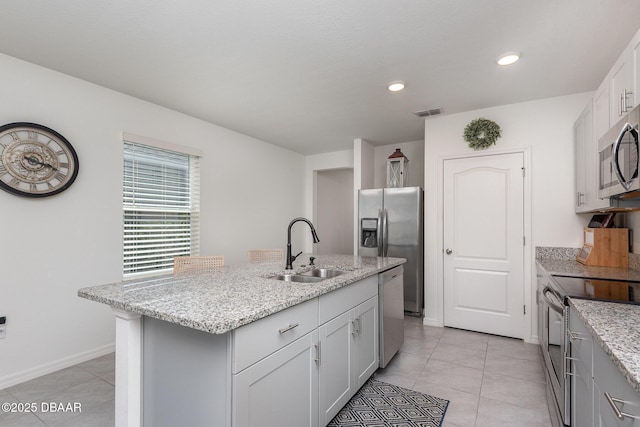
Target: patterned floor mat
[378, 404]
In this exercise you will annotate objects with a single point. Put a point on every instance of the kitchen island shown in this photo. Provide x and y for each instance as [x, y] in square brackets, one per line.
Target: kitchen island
[199, 349]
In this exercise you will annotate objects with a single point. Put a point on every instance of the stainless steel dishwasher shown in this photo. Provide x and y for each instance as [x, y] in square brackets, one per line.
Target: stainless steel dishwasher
[391, 312]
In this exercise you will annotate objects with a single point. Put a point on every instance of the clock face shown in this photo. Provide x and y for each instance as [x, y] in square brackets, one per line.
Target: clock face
[35, 161]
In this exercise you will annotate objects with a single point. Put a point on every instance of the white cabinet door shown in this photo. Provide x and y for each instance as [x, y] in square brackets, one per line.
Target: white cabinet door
[601, 113]
[635, 58]
[349, 356]
[279, 390]
[580, 149]
[623, 398]
[605, 417]
[621, 87]
[582, 398]
[335, 378]
[366, 351]
[587, 163]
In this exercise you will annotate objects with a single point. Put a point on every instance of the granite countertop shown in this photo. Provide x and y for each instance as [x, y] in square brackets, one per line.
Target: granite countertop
[224, 300]
[616, 327]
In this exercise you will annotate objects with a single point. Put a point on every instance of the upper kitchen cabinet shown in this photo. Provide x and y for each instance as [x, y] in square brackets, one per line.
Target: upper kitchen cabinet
[621, 87]
[634, 49]
[623, 81]
[586, 158]
[601, 119]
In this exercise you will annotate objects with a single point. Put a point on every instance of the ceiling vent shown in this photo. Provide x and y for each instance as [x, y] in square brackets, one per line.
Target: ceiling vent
[429, 113]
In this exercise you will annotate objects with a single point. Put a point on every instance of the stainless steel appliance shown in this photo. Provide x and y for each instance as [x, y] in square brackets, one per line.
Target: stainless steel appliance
[391, 312]
[553, 317]
[390, 224]
[619, 157]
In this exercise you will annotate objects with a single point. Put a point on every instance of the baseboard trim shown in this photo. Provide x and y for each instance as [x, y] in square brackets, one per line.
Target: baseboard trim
[47, 368]
[431, 322]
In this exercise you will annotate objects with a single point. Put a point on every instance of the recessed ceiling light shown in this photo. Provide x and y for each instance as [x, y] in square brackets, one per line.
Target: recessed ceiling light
[396, 86]
[508, 58]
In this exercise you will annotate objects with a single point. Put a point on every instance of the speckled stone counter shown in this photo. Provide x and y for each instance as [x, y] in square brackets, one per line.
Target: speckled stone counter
[616, 327]
[233, 296]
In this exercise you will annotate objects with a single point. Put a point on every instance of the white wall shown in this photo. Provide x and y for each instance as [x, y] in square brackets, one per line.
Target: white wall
[364, 166]
[51, 247]
[313, 164]
[413, 150]
[633, 223]
[545, 128]
[334, 211]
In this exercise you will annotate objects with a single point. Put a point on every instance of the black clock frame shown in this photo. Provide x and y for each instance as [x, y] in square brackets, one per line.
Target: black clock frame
[63, 140]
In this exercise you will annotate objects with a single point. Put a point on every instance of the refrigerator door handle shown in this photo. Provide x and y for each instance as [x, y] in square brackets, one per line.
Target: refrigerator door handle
[379, 231]
[385, 231]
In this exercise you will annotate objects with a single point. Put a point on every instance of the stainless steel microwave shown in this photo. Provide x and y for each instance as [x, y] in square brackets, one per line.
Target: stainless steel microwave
[619, 156]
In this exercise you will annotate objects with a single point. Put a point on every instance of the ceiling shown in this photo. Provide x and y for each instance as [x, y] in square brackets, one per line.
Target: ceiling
[311, 76]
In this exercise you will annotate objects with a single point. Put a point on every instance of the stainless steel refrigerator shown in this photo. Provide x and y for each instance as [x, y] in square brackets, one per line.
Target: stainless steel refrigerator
[390, 224]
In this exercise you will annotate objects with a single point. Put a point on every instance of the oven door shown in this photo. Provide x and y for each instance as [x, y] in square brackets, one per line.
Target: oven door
[554, 345]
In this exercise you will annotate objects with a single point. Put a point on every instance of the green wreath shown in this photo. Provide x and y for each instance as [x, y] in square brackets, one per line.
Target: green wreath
[481, 133]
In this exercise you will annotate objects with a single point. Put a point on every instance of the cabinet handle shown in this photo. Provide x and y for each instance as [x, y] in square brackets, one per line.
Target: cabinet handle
[318, 358]
[566, 372]
[619, 414]
[620, 106]
[580, 198]
[625, 95]
[354, 328]
[288, 328]
[573, 336]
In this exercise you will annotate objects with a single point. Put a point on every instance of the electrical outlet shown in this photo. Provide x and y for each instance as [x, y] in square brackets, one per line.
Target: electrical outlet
[3, 327]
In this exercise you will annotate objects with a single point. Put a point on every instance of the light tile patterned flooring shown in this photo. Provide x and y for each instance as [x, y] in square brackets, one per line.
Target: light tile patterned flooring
[90, 383]
[489, 380]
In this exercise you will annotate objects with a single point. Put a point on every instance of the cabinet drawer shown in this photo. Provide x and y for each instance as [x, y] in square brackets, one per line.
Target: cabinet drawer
[337, 302]
[609, 379]
[257, 340]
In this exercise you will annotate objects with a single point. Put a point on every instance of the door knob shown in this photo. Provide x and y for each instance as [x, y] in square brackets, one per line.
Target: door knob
[448, 251]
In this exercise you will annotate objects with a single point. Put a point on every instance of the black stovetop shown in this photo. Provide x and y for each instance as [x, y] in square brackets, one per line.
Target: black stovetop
[598, 289]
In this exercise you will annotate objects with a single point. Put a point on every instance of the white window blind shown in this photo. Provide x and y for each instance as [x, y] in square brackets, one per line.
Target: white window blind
[161, 201]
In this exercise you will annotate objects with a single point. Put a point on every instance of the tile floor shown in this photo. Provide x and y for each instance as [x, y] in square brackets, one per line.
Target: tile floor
[90, 383]
[489, 380]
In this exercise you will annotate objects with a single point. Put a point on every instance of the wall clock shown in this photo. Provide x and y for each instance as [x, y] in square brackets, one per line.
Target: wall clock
[35, 161]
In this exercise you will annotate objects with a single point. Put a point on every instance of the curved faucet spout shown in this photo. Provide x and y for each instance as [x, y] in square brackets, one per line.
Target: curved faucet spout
[290, 257]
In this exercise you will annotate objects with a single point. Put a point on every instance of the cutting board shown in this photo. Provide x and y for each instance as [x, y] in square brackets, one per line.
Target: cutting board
[605, 247]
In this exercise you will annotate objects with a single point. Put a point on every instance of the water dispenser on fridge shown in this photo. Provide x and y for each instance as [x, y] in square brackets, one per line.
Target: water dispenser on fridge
[369, 230]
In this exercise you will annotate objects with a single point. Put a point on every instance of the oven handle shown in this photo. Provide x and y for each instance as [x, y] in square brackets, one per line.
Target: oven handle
[555, 307]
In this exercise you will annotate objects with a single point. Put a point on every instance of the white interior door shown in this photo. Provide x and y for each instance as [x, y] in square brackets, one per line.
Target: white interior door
[484, 244]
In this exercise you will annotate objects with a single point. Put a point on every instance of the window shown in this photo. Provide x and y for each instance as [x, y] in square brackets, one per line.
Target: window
[161, 208]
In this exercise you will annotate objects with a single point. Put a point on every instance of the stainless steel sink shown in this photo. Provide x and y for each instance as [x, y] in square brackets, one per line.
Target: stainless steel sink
[325, 273]
[298, 278]
[311, 276]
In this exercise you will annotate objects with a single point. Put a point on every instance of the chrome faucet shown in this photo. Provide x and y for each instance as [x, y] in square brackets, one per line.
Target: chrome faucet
[291, 258]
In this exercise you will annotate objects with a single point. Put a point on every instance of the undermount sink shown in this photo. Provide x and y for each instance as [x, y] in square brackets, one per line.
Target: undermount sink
[297, 278]
[311, 276]
[324, 273]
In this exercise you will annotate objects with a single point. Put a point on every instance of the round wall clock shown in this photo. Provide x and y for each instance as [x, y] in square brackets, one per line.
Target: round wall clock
[35, 161]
